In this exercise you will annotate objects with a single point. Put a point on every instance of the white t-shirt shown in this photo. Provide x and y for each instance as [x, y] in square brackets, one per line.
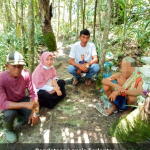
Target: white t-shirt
[77, 50]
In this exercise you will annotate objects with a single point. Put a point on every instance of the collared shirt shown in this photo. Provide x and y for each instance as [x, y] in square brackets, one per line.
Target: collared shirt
[14, 89]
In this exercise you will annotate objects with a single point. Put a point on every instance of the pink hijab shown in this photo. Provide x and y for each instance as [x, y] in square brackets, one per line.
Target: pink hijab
[40, 75]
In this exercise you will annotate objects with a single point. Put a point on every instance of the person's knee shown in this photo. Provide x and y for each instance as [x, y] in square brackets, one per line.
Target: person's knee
[70, 68]
[132, 99]
[63, 82]
[9, 115]
[96, 68]
[106, 87]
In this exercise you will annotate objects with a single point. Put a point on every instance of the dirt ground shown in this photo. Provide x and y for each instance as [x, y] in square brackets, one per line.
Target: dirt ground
[74, 119]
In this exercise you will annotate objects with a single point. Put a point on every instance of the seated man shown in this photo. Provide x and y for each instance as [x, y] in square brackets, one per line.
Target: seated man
[88, 49]
[13, 100]
[128, 88]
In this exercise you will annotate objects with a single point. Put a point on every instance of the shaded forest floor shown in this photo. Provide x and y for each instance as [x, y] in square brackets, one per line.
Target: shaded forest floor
[74, 119]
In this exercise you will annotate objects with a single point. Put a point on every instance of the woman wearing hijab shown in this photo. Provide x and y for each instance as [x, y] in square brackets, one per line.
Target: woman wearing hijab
[50, 90]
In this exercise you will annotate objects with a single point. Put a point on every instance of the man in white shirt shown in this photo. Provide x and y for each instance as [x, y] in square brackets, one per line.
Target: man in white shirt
[88, 49]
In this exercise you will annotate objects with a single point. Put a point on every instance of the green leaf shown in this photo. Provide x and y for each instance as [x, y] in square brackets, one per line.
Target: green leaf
[122, 4]
[147, 24]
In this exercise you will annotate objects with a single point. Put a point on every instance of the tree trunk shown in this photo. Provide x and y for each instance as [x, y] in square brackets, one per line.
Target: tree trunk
[31, 34]
[77, 28]
[7, 16]
[84, 13]
[70, 14]
[46, 25]
[64, 13]
[22, 29]
[58, 16]
[16, 13]
[104, 43]
[54, 8]
[124, 26]
[94, 21]
[81, 11]
[100, 31]
[37, 11]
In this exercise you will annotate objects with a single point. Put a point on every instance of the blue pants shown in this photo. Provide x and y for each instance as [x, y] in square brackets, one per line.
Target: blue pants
[121, 102]
[93, 69]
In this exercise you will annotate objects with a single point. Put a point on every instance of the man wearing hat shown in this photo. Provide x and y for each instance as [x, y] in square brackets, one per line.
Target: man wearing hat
[13, 100]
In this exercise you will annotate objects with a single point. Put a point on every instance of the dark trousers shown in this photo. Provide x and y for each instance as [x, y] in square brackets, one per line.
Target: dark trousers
[51, 100]
[9, 115]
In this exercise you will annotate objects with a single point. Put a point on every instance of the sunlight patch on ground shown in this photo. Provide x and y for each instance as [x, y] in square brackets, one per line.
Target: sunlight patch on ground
[97, 129]
[91, 105]
[69, 100]
[43, 120]
[116, 146]
[82, 101]
[60, 53]
[68, 137]
[46, 136]
[86, 137]
[102, 141]
[63, 117]
[59, 44]
[67, 131]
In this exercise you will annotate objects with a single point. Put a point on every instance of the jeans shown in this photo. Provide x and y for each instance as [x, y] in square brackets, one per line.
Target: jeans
[93, 69]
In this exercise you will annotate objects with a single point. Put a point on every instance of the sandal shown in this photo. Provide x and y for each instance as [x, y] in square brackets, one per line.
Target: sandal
[87, 81]
[75, 81]
[101, 109]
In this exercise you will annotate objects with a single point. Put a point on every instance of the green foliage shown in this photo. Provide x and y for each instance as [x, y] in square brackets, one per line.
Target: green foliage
[120, 11]
[39, 40]
[66, 31]
[131, 128]
[9, 42]
[142, 37]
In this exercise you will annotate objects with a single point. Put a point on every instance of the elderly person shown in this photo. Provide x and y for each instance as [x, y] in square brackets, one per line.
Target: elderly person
[125, 92]
[88, 50]
[13, 100]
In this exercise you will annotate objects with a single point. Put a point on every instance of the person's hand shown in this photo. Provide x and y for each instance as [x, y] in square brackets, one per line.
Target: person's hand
[119, 88]
[33, 119]
[123, 91]
[79, 71]
[84, 68]
[59, 93]
[56, 86]
[31, 105]
[113, 95]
